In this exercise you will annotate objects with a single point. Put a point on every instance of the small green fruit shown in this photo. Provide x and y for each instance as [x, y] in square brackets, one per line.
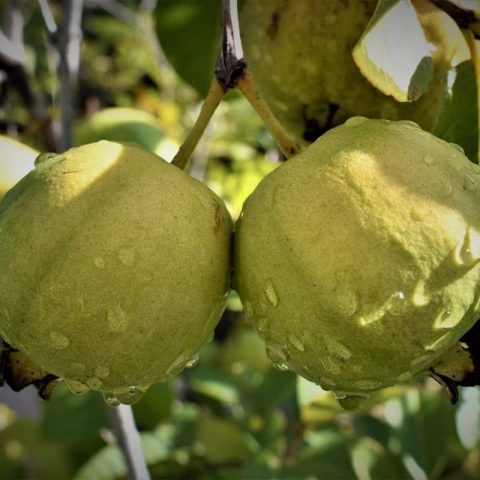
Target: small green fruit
[114, 267]
[359, 259]
[16, 160]
[300, 55]
[121, 124]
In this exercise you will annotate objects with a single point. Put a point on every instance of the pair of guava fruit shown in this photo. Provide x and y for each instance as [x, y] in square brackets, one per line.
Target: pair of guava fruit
[358, 261]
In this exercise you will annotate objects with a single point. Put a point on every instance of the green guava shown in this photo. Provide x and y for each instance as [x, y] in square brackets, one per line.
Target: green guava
[122, 124]
[358, 259]
[300, 56]
[16, 160]
[114, 267]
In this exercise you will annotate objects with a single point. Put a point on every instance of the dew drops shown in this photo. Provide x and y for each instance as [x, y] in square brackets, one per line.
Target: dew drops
[43, 157]
[59, 341]
[351, 402]
[178, 364]
[354, 121]
[127, 257]
[409, 123]
[75, 387]
[111, 399]
[193, 361]
[296, 342]
[326, 382]
[445, 320]
[416, 362]
[439, 344]
[446, 189]
[405, 377]
[467, 252]
[102, 372]
[367, 384]
[131, 396]
[117, 319]
[330, 365]
[428, 160]
[99, 262]
[396, 304]
[419, 297]
[277, 356]
[271, 293]
[94, 383]
[262, 324]
[337, 348]
[417, 214]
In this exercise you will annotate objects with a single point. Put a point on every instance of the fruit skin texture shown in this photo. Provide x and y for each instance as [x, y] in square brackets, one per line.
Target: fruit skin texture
[114, 266]
[302, 63]
[16, 160]
[358, 258]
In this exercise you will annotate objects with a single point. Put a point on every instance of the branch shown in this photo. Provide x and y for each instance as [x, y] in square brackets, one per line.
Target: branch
[69, 51]
[12, 49]
[126, 433]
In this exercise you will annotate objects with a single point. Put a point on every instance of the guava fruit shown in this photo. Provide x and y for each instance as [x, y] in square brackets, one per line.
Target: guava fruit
[16, 160]
[300, 56]
[358, 259]
[114, 267]
[122, 124]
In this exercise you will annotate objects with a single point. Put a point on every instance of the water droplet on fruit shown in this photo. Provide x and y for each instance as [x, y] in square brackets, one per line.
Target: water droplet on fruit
[111, 399]
[337, 348]
[127, 257]
[367, 384]
[94, 383]
[404, 377]
[470, 183]
[131, 396]
[262, 324]
[446, 189]
[439, 344]
[330, 365]
[99, 262]
[467, 252]
[409, 123]
[351, 402]
[445, 320]
[178, 364]
[326, 383]
[419, 297]
[75, 387]
[354, 121]
[277, 356]
[396, 304]
[59, 341]
[271, 293]
[102, 371]
[428, 160]
[117, 319]
[77, 367]
[296, 342]
[43, 157]
[416, 362]
[458, 148]
[193, 361]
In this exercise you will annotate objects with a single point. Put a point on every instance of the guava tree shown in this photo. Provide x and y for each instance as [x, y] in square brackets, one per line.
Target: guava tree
[239, 241]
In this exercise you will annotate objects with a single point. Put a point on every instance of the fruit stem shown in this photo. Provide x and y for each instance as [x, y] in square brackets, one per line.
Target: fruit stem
[128, 438]
[288, 147]
[214, 97]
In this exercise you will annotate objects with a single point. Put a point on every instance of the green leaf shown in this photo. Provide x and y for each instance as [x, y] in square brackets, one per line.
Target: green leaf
[156, 405]
[458, 120]
[215, 385]
[327, 457]
[189, 33]
[371, 462]
[393, 53]
[423, 424]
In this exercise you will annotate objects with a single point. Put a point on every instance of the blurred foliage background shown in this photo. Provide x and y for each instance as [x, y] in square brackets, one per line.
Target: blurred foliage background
[232, 415]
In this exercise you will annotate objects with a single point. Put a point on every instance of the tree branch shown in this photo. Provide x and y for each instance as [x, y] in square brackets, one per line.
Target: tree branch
[69, 50]
[123, 423]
